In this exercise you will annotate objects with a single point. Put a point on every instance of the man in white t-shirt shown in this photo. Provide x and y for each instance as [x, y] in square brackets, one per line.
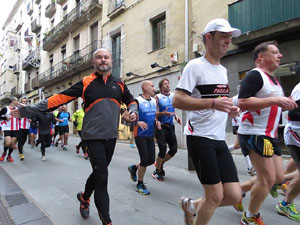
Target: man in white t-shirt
[203, 90]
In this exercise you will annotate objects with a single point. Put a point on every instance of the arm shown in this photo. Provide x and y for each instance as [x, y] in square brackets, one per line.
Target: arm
[182, 100]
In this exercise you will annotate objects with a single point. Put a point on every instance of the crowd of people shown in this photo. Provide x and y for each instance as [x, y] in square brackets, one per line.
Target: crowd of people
[203, 91]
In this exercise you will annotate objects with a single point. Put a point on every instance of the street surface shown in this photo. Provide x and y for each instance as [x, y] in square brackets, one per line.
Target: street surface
[53, 185]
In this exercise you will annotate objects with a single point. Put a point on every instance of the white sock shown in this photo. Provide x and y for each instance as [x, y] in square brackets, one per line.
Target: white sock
[231, 148]
[249, 214]
[248, 162]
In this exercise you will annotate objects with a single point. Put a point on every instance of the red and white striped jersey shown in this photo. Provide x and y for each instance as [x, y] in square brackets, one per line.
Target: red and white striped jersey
[264, 121]
[12, 123]
[24, 123]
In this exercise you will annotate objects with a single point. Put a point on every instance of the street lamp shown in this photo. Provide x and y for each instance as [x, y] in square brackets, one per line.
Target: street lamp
[133, 74]
[154, 65]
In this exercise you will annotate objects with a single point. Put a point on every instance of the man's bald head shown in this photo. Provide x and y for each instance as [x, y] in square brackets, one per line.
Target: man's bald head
[101, 50]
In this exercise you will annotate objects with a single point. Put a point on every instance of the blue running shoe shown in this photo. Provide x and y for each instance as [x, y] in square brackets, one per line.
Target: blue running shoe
[132, 170]
[132, 146]
[141, 188]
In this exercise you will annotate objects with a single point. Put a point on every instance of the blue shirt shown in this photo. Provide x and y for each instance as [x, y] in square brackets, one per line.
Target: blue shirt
[65, 116]
[147, 111]
[165, 101]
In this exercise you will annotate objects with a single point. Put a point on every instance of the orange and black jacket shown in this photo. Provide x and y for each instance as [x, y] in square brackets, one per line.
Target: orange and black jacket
[102, 100]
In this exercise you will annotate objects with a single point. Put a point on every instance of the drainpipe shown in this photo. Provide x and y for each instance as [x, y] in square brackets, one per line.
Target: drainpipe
[186, 32]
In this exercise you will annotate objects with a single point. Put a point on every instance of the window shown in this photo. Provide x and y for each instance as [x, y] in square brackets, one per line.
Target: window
[63, 52]
[65, 11]
[76, 42]
[116, 55]
[158, 32]
[119, 3]
[51, 63]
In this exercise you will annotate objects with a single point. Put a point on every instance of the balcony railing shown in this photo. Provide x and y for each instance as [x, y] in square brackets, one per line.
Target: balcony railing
[36, 25]
[252, 15]
[115, 8]
[27, 88]
[72, 21]
[32, 59]
[76, 63]
[60, 1]
[19, 25]
[35, 83]
[50, 10]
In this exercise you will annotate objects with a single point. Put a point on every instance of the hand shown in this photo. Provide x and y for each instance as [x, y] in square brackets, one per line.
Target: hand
[132, 117]
[286, 103]
[234, 112]
[158, 125]
[224, 104]
[165, 113]
[178, 120]
[15, 113]
[142, 125]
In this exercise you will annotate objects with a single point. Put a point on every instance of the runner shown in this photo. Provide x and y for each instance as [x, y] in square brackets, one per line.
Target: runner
[10, 127]
[286, 207]
[203, 90]
[261, 99]
[56, 127]
[166, 135]
[24, 124]
[63, 119]
[33, 130]
[102, 95]
[144, 132]
[77, 119]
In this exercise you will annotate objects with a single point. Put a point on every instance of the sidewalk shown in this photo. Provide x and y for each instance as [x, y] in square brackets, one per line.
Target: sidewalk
[15, 207]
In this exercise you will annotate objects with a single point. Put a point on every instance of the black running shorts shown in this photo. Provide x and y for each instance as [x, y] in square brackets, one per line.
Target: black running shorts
[262, 145]
[212, 160]
[11, 133]
[63, 130]
[295, 153]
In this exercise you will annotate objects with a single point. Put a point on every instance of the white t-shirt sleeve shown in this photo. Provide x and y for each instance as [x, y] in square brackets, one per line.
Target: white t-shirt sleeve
[188, 79]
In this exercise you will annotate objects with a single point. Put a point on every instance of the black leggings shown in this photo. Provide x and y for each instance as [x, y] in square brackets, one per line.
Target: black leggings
[100, 154]
[166, 136]
[82, 144]
[22, 137]
[146, 148]
[45, 141]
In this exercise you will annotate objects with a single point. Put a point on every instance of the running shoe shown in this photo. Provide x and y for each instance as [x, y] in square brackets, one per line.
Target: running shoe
[255, 220]
[77, 149]
[132, 146]
[10, 159]
[162, 172]
[21, 157]
[284, 188]
[2, 157]
[52, 143]
[157, 175]
[64, 148]
[84, 206]
[15, 147]
[289, 211]
[43, 158]
[86, 156]
[239, 206]
[188, 217]
[273, 191]
[141, 188]
[251, 171]
[132, 170]
[56, 144]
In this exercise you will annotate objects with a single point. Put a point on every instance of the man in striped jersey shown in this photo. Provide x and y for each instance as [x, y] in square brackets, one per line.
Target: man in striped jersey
[24, 124]
[261, 98]
[10, 126]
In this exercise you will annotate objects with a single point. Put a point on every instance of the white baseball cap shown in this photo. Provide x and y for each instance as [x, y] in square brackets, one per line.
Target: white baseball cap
[221, 25]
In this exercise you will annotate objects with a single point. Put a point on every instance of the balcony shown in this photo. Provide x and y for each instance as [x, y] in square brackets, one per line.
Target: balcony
[27, 88]
[76, 63]
[29, 9]
[35, 83]
[50, 10]
[36, 25]
[16, 68]
[261, 20]
[60, 2]
[32, 60]
[72, 21]
[37, 1]
[115, 8]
